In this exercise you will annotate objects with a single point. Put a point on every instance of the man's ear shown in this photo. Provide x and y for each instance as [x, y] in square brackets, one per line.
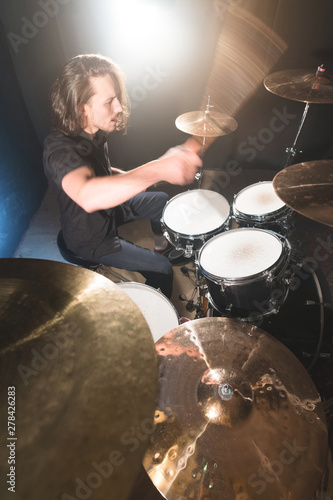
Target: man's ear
[84, 115]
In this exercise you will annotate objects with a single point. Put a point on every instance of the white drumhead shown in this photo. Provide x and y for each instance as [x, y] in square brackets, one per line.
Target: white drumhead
[158, 311]
[258, 199]
[196, 212]
[240, 253]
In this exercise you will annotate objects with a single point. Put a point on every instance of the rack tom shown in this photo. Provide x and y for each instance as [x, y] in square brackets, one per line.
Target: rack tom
[259, 206]
[246, 272]
[192, 218]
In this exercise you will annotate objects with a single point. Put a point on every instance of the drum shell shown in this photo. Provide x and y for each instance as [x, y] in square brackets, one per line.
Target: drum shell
[253, 296]
[192, 241]
[195, 242]
[279, 220]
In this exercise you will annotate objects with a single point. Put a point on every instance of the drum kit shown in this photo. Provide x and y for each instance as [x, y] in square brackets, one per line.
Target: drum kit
[238, 416]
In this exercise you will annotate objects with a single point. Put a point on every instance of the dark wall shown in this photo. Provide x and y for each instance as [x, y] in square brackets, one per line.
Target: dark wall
[260, 143]
[22, 183]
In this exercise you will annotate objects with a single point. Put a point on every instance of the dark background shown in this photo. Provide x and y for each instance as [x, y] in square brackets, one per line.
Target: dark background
[38, 37]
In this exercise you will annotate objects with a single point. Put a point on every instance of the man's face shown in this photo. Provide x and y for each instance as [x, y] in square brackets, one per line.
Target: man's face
[103, 108]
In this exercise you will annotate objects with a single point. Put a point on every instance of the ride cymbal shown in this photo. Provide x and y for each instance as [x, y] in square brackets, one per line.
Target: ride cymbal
[307, 188]
[238, 416]
[79, 383]
[301, 85]
[203, 124]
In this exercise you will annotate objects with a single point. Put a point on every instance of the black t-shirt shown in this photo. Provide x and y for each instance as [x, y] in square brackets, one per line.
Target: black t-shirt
[87, 234]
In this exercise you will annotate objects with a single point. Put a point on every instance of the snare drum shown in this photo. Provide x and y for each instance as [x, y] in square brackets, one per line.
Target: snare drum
[191, 218]
[245, 271]
[259, 206]
[158, 311]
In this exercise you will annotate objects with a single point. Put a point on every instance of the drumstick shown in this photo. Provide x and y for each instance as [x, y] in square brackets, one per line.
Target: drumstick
[199, 144]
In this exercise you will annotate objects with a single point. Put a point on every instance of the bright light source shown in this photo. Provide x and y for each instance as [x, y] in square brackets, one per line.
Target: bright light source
[148, 30]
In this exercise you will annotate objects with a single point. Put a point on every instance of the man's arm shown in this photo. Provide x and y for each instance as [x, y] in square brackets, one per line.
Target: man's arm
[178, 166]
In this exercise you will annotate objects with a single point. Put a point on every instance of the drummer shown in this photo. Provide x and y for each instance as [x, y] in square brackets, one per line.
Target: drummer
[89, 101]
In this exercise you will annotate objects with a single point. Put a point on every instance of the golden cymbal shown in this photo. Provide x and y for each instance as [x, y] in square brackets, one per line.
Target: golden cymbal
[79, 362]
[308, 189]
[203, 124]
[301, 85]
[238, 416]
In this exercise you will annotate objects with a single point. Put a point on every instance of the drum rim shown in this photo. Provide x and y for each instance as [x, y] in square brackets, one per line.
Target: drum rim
[155, 292]
[196, 235]
[264, 215]
[228, 280]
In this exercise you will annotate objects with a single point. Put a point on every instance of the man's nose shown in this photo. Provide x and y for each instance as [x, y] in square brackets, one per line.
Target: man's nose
[117, 106]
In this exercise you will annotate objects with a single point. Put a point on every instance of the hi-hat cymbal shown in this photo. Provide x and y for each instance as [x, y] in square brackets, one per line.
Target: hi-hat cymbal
[307, 188]
[80, 365]
[238, 416]
[300, 85]
[203, 124]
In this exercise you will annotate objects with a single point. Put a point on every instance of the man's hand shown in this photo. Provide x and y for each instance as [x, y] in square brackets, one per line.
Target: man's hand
[179, 165]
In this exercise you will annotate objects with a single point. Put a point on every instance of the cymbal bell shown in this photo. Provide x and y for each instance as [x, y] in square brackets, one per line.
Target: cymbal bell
[79, 362]
[206, 124]
[238, 416]
[301, 85]
[307, 188]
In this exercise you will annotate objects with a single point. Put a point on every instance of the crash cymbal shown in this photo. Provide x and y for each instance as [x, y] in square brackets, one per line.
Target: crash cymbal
[238, 416]
[301, 85]
[203, 124]
[308, 189]
[79, 362]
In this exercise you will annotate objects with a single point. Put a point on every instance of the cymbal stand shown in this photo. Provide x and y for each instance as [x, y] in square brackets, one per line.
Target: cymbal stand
[199, 174]
[292, 150]
[198, 291]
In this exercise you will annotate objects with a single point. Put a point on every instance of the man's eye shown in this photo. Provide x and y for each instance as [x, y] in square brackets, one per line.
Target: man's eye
[111, 100]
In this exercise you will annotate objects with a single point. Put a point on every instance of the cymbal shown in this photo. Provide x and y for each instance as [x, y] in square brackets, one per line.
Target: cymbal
[79, 362]
[307, 188]
[300, 85]
[238, 416]
[203, 124]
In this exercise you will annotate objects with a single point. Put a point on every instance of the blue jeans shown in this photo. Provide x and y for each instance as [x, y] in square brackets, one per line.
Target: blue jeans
[154, 267]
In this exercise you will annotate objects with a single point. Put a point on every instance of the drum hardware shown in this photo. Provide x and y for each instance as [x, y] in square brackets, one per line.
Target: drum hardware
[245, 271]
[71, 345]
[257, 205]
[325, 355]
[227, 386]
[192, 217]
[199, 291]
[307, 188]
[188, 251]
[208, 125]
[303, 323]
[322, 320]
[302, 86]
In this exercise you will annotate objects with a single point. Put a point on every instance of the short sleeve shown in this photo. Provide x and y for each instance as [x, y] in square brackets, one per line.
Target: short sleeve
[62, 155]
